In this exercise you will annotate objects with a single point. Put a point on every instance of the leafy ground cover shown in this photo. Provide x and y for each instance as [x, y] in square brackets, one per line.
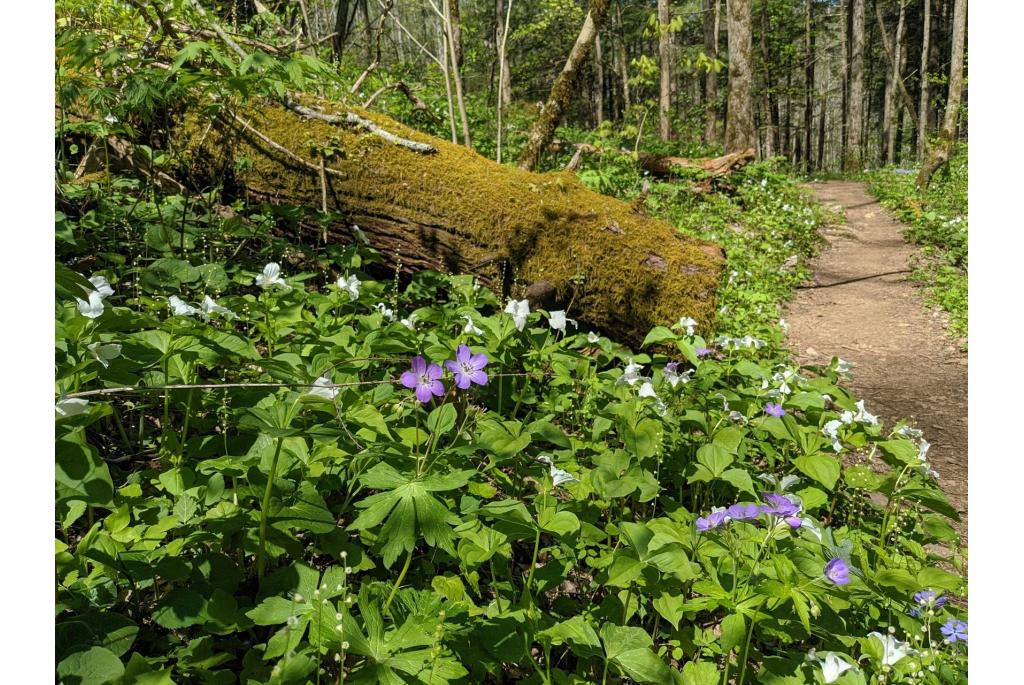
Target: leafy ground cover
[272, 502]
[936, 220]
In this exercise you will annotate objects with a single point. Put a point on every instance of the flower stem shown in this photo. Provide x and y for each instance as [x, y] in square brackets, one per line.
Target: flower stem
[746, 652]
[533, 567]
[398, 582]
[264, 513]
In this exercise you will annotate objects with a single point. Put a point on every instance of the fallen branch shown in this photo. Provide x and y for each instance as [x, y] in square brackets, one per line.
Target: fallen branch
[356, 120]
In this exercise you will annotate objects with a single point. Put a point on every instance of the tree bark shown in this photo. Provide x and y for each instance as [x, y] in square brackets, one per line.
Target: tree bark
[454, 15]
[621, 61]
[808, 84]
[773, 126]
[923, 106]
[665, 59]
[598, 80]
[543, 129]
[739, 124]
[501, 36]
[711, 78]
[855, 105]
[424, 203]
[456, 72]
[939, 154]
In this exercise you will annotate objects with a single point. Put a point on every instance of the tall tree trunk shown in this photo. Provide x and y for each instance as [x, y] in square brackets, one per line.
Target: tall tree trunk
[821, 127]
[939, 155]
[500, 39]
[598, 80]
[456, 73]
[923, 106]
[622, 61]
[445, 207]
[855, 106]
[739, 124]
[341, 26]
[787, 142]
[454, 15]
[711, 26]
[773, 124]
[808, 84]
[892, 92]
[665, 59]
[543, 129]
[844, 38]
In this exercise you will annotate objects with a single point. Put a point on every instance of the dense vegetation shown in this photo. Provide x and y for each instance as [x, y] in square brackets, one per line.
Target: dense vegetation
[277, 462]
[937, 220]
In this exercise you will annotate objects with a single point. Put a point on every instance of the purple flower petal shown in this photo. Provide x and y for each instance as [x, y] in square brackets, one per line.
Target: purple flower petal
[462, 354]
[423, 393]
[452, 366]
[794, 522]
[419, 365]
[478, 361]
[434, 372]
[463, 381]
[409, 379]
[479, 377]
[437, 387]
[837, 571]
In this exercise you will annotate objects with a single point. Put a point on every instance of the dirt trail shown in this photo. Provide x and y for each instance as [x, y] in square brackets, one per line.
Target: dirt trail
[906, 364]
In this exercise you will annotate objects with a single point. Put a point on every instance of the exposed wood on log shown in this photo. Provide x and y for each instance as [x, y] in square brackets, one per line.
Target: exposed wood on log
[664, 165]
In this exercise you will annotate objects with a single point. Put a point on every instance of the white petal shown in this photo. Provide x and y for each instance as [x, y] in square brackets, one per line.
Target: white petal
[322, 388]
[72, 406]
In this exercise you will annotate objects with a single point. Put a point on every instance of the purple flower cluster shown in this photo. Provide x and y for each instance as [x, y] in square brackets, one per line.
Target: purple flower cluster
[777, 505]
[702, 351]
[925, 600]
[425, 378]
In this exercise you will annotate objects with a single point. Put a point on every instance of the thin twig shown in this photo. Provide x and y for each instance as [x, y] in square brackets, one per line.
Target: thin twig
[355, 119]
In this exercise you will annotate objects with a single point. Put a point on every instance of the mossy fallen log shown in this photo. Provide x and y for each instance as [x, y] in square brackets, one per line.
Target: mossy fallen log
[450, 209]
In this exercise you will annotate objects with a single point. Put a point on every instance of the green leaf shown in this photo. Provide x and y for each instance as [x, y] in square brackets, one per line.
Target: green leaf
[897, 578]
[276, 610]
[740, 479]
[441, 420]
[658, 334]
[734, 631]
[714, 457]
[820, 467]
[81, 475]
[94, 666]
[179, 608]
[575, 632]
[938, 579]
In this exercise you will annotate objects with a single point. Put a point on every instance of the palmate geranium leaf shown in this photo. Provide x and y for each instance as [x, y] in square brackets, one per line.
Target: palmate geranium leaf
[411, 512]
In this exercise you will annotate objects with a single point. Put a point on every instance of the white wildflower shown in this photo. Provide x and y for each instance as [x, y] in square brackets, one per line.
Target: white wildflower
[843, 366]
[209, 306]
[181, 308]
[557, 321]
[350, 284]
[893, 649]
[385, 311]
[324, 387]
[647, 390]
[558, 476]
[864, 416]
[72, 406]
[631, 375]
[104, 352]
[686, 323]
[470, 328]
[410, 322]
[93, 308]
[593, 337]
[271, 276]
[102, 286]
[832, 667]
[831, 429]
[519, 310]
[783, 325]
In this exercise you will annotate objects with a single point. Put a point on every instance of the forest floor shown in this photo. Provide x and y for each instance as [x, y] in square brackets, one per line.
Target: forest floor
[906, 363]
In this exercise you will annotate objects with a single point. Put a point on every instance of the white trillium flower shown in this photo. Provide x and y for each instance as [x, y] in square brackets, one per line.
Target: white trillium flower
[737, 417]
[912, 433]
[831, 429]
[843, 366]
[846, 417]
[631, 375]
[93, 308]
[593, 337]
[110, 119]
[783, 325]
[72, 406]
[104, 352]
[102, 286]
[470, 328]
[893, 649]
[322, 387]
[864, 416]
[782, 484]
[687, 323]
[922, 450]
[519, 310]
[410, 322]
[181, 308]
[350, 284]
[209, 306]
[674, 378]
[385, 311]
[557, 321]
[647, 390]
[271, 276]
[558, 476]
[832, 667]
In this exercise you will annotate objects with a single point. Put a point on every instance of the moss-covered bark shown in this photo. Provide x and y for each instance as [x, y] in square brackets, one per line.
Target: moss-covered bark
[453, 210]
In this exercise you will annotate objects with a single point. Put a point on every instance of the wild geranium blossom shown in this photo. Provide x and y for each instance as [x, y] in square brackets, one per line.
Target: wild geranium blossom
[702, 351]
[350, 284]
[893, 650]
[425, 379]
[743, 512]
[783, 507]
[519, 310]
[716, 518]
[468, 367]
[837, 571]
[773, 409]
[954, 631]
[271, 276]
[927, 600]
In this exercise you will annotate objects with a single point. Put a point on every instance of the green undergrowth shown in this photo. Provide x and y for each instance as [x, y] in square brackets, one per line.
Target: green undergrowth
[936, 219]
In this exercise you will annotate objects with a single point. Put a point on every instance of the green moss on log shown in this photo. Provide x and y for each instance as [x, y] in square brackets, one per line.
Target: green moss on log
[455, 210]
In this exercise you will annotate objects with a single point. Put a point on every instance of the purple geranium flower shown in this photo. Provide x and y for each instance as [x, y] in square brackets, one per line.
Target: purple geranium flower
[742, 512]
[954, 630]
[837, 571]
[425, 379]
[783, 507]
[927, 599]
[468, 368]
[773, 409]
[711, 521]
[702, 351]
